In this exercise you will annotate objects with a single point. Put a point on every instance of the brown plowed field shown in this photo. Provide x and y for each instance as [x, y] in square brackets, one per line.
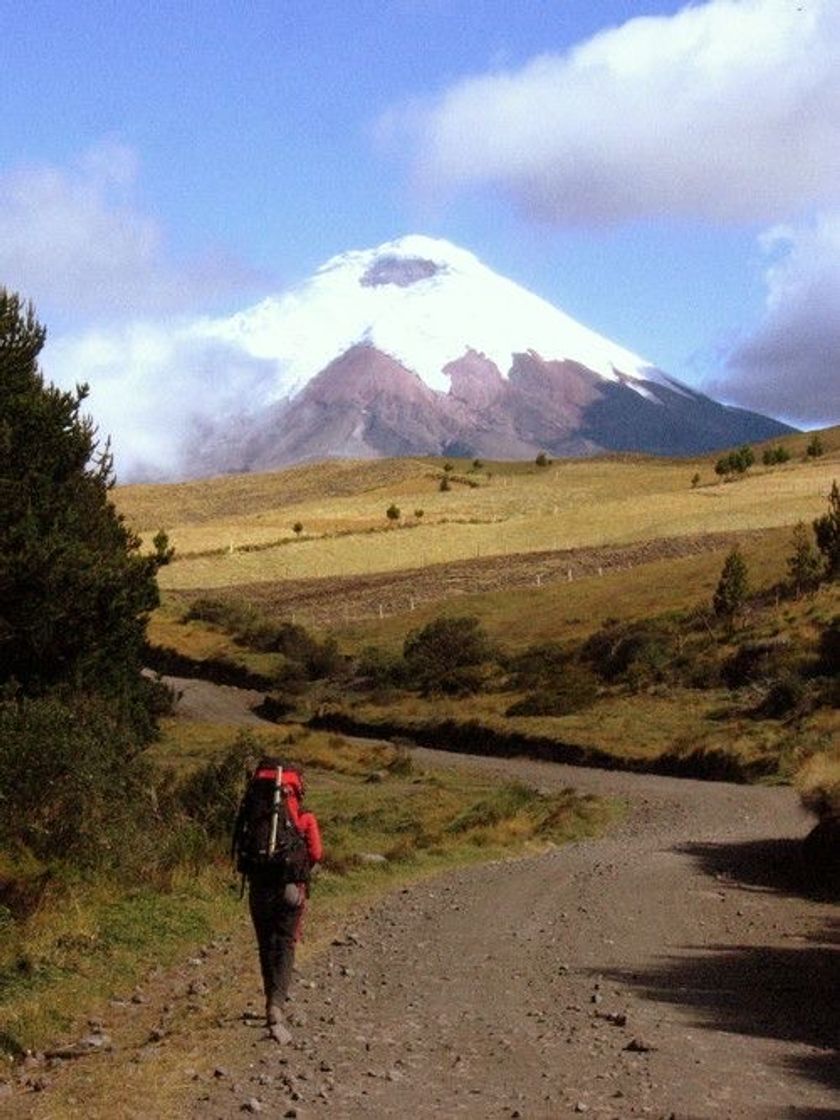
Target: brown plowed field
[335, 600]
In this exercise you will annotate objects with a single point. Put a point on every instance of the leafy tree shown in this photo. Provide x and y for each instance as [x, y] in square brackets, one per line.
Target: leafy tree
[297, 528]
[75, 592]
[418, 513]
[736, 462]
[445, 484]
[827, 532]
[815, 447]
[733, 587]
[542, 459]
[723, 466]
[804, 567]
[775, 455]
[393, 512]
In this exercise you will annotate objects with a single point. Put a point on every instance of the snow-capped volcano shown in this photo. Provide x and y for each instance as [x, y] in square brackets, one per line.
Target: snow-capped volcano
[425, 303]
[416, 347]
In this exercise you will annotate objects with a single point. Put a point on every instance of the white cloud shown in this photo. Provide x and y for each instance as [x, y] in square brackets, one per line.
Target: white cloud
[725, 111]
[73, 240]
[790, 365]
[155, 387]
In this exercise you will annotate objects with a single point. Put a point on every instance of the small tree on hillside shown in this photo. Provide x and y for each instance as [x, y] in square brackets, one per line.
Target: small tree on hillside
[733, 587]
[393, 513]
[736, 462]
[804, 567]
[445, 484]
[815, 447]
[542, 459]
[297, 528]
[827, 532]
[775, 455]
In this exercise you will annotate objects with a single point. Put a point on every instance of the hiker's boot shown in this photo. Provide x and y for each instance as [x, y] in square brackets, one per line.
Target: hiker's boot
[276, 1028]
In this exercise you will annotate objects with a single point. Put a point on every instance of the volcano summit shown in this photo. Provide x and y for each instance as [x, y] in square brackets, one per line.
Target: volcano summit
[417, 348]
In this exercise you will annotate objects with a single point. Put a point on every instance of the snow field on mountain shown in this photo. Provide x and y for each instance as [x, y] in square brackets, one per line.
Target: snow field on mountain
[423, 324]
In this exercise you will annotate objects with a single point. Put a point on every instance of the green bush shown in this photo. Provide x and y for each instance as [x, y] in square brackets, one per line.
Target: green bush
[637, 653]
[231, 616]
[438, 655]
[575, 690]
[209, 797]
[74, 787]
[381, 669]
[538, 664]
[775, 455]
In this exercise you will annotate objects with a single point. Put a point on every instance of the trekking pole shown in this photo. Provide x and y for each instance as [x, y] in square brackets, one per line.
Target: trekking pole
[275, 812]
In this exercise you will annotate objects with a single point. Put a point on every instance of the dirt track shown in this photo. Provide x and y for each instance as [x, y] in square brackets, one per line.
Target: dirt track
[672, 968]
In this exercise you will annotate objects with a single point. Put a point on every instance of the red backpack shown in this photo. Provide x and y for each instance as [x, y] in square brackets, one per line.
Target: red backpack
[265, 838]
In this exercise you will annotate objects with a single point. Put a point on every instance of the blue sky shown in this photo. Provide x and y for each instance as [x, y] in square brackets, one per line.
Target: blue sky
[668, 174]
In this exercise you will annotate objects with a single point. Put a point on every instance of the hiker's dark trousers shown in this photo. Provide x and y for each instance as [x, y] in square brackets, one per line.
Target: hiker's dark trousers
[275, 924]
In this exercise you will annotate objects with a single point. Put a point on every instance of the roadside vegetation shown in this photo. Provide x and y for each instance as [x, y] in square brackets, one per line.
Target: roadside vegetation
[91, 937]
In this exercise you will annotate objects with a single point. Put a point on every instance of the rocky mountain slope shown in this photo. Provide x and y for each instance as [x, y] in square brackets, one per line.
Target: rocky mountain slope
[416, 347]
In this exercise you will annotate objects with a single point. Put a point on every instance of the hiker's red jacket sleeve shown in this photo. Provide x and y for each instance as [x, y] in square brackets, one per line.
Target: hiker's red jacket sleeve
[307, 825]
[312, 834]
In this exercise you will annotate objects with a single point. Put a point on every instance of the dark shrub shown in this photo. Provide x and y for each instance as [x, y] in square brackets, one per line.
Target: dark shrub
[437, 654]
[783, 697]
[380, 668]
[73, 784]
[576, 689]
[209, 797]
[638, 653]
[756, 662]
[829, 648]
[538, 664]
[232, 617]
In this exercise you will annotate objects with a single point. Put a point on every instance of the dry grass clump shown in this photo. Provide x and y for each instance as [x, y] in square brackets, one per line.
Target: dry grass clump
[818, 783]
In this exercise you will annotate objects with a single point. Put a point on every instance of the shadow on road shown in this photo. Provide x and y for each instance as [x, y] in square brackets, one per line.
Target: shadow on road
[772, 865]
[788, 993]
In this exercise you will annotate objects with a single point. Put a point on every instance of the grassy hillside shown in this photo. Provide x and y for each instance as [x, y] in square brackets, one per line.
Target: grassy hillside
[234, 531]
[536, 556]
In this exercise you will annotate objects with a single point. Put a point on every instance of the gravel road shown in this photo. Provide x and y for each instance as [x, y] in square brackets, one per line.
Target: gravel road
[675, 967]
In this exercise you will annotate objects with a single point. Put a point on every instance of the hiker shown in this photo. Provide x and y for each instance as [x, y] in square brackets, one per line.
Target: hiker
[277, 845]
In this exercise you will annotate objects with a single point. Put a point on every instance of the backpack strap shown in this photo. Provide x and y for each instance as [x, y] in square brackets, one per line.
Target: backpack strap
[275, 810]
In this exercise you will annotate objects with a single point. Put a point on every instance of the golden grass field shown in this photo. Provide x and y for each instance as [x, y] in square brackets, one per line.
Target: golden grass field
[233, 531]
